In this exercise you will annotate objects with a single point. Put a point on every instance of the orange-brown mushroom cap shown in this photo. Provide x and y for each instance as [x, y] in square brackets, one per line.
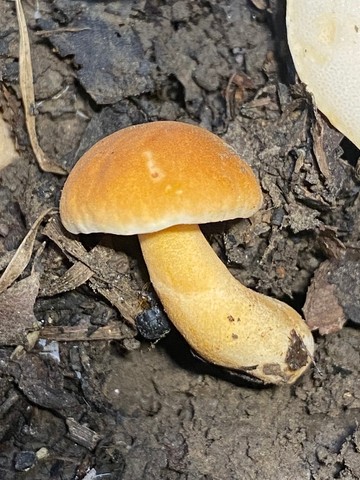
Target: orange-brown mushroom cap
[151, 176]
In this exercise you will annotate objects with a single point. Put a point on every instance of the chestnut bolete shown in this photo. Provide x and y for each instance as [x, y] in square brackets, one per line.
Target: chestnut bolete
[159, 180]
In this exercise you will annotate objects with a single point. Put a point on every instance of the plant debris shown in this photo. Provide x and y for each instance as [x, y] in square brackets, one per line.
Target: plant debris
[8, 153]
[22, 255]
[333, 295]
[322, 309]
[100, 268]
[27, 93]
[82, 435]
[16, 311]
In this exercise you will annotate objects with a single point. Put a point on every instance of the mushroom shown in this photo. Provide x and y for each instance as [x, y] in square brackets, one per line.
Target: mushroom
[159, 180]
[324, 41]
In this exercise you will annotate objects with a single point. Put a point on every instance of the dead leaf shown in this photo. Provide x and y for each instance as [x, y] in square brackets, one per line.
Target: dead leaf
[317, 132]
[322, 309]
[260, 4]
[22, 255]
[107, 278]
[8, 153]
[16, 311]
[77, 275]
[27, 93]
[329, 242]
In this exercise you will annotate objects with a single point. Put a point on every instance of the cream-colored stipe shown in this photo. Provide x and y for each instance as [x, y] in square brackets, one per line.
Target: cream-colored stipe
[224, 322]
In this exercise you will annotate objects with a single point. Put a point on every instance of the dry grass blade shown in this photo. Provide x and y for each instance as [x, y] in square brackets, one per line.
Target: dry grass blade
[82, 333]
[22, 255]
[48, 33]
[27, 92]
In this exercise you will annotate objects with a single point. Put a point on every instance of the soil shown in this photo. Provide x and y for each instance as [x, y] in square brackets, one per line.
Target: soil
[123, 407]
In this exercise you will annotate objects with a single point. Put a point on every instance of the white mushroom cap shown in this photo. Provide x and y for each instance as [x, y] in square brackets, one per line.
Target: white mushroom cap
[324, 40]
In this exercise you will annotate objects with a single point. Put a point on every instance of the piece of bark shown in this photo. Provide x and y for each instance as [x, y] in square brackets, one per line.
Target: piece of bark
[82, 435]
[42, 382]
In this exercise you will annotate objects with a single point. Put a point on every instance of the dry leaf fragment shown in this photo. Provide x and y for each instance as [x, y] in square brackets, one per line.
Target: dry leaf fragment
[334, 294]
[16, 311]
[317, 132]
[27, 93]
[22, 255]
[329, 242]
[322, 309]
[101, 261]
[260, 4]
[8, 151]
[76, 275]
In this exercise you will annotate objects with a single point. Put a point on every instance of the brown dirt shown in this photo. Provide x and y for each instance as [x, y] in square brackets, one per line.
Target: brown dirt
[127, 409]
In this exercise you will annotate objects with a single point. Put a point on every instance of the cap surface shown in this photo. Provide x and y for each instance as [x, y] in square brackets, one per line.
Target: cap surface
[151, 176]
[324, 40]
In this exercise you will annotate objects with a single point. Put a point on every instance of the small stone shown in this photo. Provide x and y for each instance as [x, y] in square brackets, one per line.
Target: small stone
[24, 461]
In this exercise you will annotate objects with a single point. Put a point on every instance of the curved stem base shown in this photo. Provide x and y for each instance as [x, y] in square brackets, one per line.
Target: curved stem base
[224, 322]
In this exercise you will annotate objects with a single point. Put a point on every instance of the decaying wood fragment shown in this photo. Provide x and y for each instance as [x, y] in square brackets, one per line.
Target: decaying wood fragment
[82, 435]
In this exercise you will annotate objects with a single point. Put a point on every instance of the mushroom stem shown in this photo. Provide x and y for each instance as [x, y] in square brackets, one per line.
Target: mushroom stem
[225, 323]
